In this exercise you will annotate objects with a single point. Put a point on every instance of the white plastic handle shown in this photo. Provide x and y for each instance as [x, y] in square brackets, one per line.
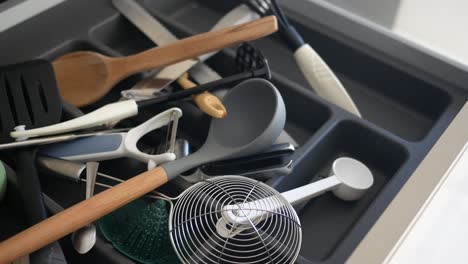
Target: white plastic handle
[108, 113]
[309, 191]
[117, 145]
[322, 79]
[242, 214]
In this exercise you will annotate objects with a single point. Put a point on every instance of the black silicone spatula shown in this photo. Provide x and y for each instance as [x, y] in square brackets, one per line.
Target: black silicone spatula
[28, 96]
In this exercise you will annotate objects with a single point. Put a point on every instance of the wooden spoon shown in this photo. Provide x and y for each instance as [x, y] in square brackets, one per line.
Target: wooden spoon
[84, 77]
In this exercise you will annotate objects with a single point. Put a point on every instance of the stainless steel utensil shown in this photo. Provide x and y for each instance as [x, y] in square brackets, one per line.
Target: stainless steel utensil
[67, 169]
[83, 239]
[161, 36]
[72, 170]
[273, 239]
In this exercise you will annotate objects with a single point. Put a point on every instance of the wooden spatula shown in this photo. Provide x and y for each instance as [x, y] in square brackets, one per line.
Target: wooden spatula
[84, 77]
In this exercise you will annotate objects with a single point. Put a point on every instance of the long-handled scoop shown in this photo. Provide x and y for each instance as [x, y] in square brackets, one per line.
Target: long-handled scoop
[349, 181]
[84, 77]
[257, 117]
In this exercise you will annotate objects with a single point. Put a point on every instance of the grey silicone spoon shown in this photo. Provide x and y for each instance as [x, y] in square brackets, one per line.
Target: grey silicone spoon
[83, 239]
[256, 118]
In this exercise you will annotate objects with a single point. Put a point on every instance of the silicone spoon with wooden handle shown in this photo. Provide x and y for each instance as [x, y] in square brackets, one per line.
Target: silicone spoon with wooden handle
[207, 102]
[84, 77]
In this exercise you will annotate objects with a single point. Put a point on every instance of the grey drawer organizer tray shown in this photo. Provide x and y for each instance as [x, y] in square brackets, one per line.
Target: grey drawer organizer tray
[408, 97]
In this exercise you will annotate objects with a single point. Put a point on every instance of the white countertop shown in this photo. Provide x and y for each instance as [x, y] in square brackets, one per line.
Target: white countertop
[439, 233]
[427, 221]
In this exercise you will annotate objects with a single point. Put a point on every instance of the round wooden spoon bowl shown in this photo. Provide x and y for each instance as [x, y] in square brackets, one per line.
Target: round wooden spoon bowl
[84, 77]
[81, 77]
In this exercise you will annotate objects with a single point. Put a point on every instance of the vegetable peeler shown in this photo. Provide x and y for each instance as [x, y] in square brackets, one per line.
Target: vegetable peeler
[118, 145]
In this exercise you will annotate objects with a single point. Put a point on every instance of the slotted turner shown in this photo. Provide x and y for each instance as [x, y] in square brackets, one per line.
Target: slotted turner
[28, 96]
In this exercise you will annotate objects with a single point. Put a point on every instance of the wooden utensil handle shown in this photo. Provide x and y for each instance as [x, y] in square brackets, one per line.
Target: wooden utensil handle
[207, 102]
[80, 215]
[194, 46]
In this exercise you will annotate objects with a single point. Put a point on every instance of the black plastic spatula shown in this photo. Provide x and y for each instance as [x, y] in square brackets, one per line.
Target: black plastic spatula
[28, 96]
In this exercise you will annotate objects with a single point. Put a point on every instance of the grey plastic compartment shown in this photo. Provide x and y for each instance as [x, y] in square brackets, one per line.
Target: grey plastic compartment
[301, 125]
[71, 46]
[405, 107]
[119, 35]
[387, 96]
[327, 219]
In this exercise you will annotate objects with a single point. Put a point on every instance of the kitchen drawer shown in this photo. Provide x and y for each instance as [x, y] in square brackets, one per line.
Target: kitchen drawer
[407, 97]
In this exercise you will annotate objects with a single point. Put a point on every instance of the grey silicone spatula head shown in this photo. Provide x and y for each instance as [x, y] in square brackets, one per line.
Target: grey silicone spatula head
[257, 116]
[28, 96]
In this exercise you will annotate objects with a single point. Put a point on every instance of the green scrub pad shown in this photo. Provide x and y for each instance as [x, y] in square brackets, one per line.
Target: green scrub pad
[140, 231]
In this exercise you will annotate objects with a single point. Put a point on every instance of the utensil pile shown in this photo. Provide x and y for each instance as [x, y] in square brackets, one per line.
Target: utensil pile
[237, 218]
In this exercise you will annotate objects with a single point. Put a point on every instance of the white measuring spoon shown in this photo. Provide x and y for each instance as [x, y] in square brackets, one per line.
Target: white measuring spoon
[349, 181]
